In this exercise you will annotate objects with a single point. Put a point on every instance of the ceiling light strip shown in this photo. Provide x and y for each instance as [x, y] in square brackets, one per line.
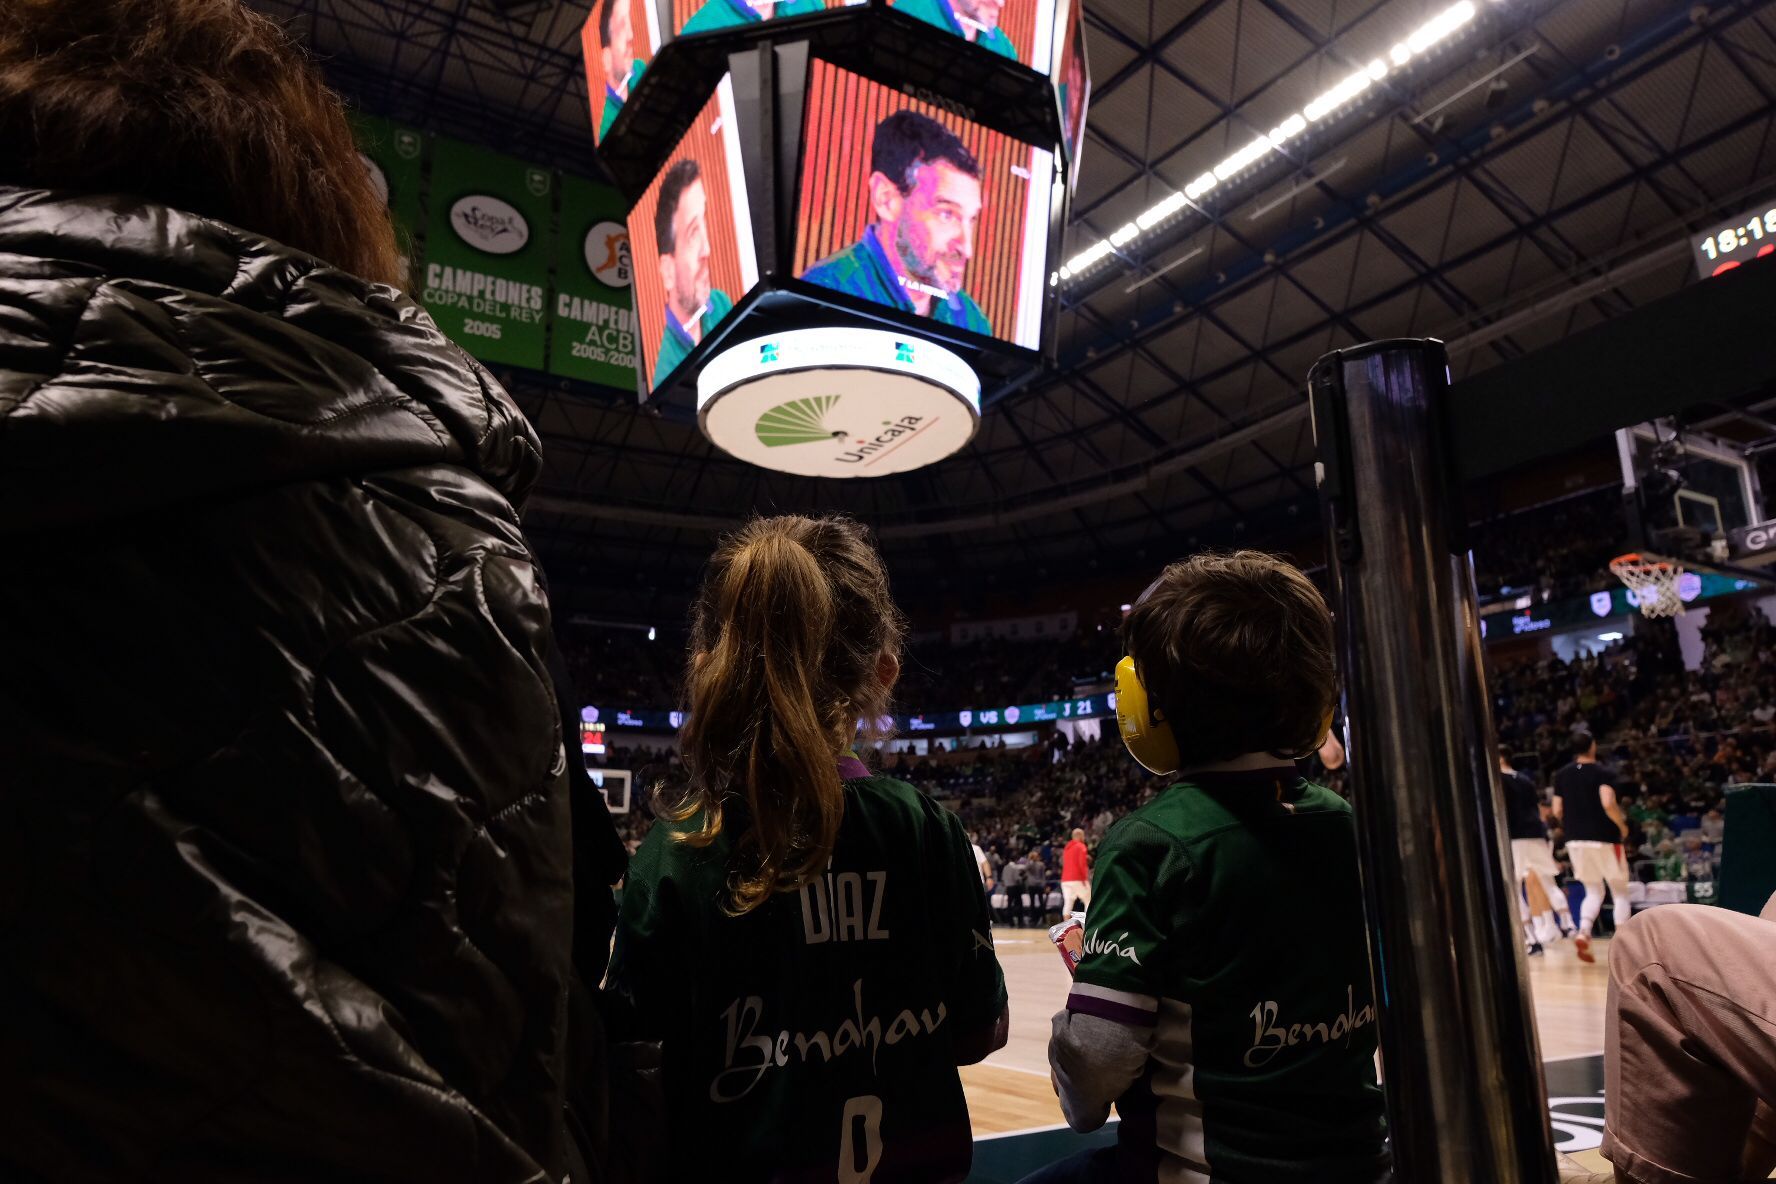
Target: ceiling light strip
[1433, 32]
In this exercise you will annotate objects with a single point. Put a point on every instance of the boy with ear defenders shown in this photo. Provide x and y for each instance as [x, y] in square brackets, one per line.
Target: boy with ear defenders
[1222, 999]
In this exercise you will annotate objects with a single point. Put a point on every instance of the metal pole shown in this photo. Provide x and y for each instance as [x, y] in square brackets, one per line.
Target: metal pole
[1466, 1100]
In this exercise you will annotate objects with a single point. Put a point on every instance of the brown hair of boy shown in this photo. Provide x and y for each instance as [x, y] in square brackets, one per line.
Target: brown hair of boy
[1236, 650]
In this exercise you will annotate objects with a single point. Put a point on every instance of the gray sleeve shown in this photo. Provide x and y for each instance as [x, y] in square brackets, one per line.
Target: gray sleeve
[1094, 1062]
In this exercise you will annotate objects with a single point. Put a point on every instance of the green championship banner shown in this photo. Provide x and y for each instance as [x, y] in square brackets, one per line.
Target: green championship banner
[593, 335]
[395, 156]
[488, 246]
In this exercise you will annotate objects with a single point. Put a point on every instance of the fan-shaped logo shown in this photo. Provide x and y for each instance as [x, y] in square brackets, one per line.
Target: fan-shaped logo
[489, 224]
[607, 254]
[799, 421]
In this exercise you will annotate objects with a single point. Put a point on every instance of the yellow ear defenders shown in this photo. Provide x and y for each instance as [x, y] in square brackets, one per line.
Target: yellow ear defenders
[1147, 733]
[1144, 728]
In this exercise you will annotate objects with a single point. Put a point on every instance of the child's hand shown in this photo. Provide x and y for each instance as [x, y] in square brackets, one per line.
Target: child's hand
[1069, 939]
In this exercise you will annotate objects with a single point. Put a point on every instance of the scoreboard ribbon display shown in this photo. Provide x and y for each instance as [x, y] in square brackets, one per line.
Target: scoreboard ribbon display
[985, 718]
[488, 245]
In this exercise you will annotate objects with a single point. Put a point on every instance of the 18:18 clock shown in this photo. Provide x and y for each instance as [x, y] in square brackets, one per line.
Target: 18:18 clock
[1736, 238]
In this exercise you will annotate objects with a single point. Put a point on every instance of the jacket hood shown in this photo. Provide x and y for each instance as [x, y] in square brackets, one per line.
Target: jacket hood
[149, 356]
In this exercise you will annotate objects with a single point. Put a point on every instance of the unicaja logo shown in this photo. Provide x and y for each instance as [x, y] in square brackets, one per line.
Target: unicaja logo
[799, 421]
[489, 224]
[893, 432]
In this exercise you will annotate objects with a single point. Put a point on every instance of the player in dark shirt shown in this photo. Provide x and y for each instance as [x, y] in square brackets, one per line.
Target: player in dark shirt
[1532, 856]
[810, 944]
[1585, 803]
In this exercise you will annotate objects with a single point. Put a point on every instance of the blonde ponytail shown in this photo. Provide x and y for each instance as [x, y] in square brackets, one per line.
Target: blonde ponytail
[786, 637]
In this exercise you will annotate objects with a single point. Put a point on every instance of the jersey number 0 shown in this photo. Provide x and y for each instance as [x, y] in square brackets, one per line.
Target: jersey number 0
[866, 1111]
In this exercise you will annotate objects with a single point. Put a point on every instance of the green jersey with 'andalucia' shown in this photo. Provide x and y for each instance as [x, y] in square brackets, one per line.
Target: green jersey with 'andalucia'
[1227, 919]
[814, 1039]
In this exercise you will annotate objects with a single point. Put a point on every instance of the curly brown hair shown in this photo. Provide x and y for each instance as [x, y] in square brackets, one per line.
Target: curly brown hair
[202, 105]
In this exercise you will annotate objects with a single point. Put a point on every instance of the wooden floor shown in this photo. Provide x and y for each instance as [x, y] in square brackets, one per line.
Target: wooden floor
[1010, 1090]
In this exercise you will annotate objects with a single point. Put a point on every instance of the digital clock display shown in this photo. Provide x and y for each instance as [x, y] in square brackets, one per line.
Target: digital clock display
[1746, 237]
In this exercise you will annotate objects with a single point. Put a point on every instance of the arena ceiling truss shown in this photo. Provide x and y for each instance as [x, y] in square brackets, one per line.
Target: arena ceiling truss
[1543, 173]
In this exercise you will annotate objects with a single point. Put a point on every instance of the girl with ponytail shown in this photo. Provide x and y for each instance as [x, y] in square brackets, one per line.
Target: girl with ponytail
[808, 943]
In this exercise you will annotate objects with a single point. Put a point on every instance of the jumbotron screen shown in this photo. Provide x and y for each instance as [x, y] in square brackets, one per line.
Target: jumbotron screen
[910, 207]
[1072, 82]
[618, 40]
[691, 238]
[707, 16]
[1021, 31]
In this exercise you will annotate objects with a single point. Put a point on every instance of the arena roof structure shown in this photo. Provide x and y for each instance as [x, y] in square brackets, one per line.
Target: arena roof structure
[1541, 168]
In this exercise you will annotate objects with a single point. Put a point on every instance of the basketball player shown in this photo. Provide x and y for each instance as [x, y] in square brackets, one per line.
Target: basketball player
[1075, 873]
[616, 44]
[734, 14]
[1532, 855]
[925, 202]
[972, 20]
[1585, 803]
[681, 233]
[808, 943]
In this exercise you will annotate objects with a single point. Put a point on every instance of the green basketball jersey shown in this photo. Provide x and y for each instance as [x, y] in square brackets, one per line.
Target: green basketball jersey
[813, 1039]
[1226, 915]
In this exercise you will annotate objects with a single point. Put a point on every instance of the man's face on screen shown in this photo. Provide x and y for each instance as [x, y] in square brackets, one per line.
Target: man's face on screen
[619, 53]
[984, 13]
[934, 235]
[686, 269]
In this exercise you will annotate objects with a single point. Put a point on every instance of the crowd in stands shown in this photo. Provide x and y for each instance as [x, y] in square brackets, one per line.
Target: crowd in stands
[1556, 550]
[1017, 803]
[1561, 549]
[995, 672]
[622, 667]
[1676, 738]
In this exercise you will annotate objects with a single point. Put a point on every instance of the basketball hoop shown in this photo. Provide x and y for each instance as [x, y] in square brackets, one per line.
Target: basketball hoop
[1653, 583]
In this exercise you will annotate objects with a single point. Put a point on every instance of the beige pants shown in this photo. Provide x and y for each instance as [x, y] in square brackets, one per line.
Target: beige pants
[1072, 890]
[1596, 865]
[1690, 1047]
[1533, 859]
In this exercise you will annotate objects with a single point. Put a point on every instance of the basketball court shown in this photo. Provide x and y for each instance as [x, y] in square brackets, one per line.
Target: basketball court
[1018, 1124]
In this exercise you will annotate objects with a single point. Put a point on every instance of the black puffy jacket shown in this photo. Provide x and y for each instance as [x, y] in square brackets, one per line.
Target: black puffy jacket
[285, 888]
